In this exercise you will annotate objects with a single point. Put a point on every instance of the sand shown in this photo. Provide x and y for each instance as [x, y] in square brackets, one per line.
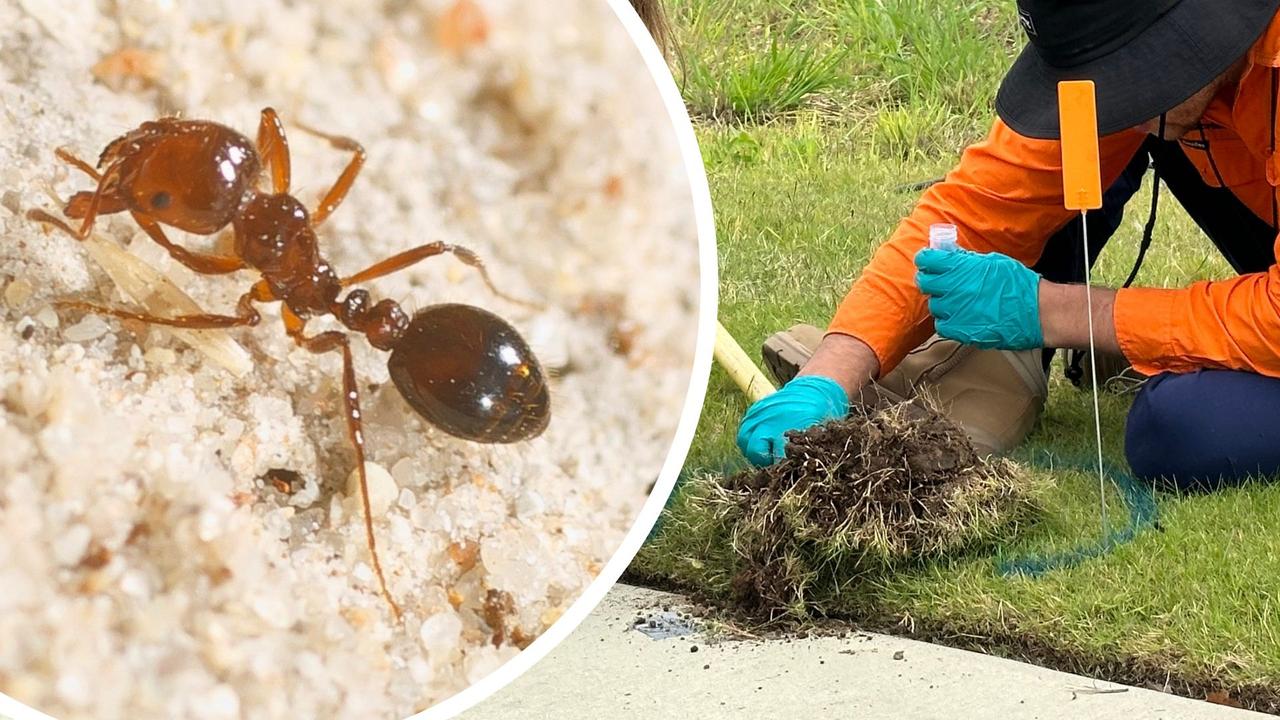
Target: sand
[148, 567]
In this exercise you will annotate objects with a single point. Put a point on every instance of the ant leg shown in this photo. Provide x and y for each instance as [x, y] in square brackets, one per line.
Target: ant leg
[85, 204]
[338, 192]
[403, 260]
[41, 216]
[273, 148]
[65, 156]
[327, 342]
[201, 263]
[93, 203]
[246, 314]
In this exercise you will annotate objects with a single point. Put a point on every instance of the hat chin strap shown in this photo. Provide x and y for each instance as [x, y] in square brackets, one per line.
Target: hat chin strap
[1275, 97]
[1149, 230]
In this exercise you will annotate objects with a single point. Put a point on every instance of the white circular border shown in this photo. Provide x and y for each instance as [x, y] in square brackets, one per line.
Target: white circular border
[708, 299]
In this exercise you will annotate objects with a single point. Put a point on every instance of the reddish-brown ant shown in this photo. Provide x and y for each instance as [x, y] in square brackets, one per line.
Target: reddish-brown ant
[463, 369]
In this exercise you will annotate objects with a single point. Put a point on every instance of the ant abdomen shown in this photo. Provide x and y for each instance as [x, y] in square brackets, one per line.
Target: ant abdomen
[470, 373]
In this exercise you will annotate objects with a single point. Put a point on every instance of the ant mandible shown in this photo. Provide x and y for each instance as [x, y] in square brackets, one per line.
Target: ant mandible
[463, 369]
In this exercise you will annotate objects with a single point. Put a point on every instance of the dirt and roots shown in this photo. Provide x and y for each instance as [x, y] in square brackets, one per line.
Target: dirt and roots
[854, 498]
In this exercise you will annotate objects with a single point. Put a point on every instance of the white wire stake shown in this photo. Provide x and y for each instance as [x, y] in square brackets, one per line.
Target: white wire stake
[1082, 190]
[1093, 369]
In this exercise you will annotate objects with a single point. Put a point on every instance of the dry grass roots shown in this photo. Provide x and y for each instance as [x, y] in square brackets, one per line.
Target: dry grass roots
[857, 496]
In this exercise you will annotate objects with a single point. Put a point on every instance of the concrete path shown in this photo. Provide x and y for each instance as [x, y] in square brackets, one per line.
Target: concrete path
[606, 669]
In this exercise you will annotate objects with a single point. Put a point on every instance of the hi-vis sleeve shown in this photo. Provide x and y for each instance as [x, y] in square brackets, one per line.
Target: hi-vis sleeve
[1005, 196]
[1229, 324]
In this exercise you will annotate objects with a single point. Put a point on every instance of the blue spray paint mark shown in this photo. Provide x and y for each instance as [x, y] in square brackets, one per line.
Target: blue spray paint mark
[1140, 500]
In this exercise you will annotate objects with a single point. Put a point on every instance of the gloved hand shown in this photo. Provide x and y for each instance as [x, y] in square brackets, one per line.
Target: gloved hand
[986, 300]
[802, 403]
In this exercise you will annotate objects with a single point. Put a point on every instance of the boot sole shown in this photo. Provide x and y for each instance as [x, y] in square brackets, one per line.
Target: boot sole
[783, 357]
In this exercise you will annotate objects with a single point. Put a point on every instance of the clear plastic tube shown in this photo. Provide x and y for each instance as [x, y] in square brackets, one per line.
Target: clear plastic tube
[943, 237]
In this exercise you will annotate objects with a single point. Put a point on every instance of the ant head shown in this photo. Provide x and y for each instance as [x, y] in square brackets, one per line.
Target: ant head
[190, 174]
[469, 372]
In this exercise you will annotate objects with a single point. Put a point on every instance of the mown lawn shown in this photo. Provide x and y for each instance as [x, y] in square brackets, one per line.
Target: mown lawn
[815, 118]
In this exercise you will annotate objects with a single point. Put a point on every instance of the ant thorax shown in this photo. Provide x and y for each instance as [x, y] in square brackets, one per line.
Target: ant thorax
[274, 235]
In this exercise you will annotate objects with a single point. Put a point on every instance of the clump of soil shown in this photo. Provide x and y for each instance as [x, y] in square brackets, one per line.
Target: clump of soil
[855, 497]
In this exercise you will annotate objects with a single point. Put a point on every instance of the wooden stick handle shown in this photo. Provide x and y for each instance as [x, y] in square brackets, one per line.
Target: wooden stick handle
[735, 361]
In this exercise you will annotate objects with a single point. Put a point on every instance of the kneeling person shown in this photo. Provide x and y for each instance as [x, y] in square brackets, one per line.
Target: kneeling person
[1192, 95]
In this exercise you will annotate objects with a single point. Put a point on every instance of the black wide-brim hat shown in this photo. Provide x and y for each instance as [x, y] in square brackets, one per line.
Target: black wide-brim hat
[1145, 57]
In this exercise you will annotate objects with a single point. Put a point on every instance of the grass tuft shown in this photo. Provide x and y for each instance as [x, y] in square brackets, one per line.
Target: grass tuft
[774, 84]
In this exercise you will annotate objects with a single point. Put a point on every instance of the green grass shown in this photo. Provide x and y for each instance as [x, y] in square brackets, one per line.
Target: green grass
[803, 194]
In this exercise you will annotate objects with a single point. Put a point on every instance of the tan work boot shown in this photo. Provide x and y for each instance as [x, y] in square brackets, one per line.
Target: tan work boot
[784, 353]
[996, 396]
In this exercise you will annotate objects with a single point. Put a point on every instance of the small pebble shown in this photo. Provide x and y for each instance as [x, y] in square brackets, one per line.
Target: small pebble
[47, 317]
[362, 572]
[529, 504]
[336, 512]
[91, 327]
[70, 353]
[407, 499]
[440, 634]
[11, 201]
[407, 474]
[277, 523]
[382, 487]
[18, 293]
[161, 356]
[899, 655]
[401, 530]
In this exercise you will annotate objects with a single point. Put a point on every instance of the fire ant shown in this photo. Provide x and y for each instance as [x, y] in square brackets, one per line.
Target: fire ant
[463, 369]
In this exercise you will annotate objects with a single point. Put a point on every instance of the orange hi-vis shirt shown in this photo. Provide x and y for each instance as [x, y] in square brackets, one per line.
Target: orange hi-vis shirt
[1006, 196]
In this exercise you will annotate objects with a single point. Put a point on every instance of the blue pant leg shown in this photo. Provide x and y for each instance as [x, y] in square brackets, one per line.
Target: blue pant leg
[1205, 430]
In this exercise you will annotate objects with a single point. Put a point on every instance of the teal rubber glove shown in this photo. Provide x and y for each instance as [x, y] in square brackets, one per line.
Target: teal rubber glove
[802, 403]
[986, 300]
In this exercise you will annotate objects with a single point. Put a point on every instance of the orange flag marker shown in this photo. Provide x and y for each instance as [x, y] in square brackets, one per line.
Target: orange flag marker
[1081, 175]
